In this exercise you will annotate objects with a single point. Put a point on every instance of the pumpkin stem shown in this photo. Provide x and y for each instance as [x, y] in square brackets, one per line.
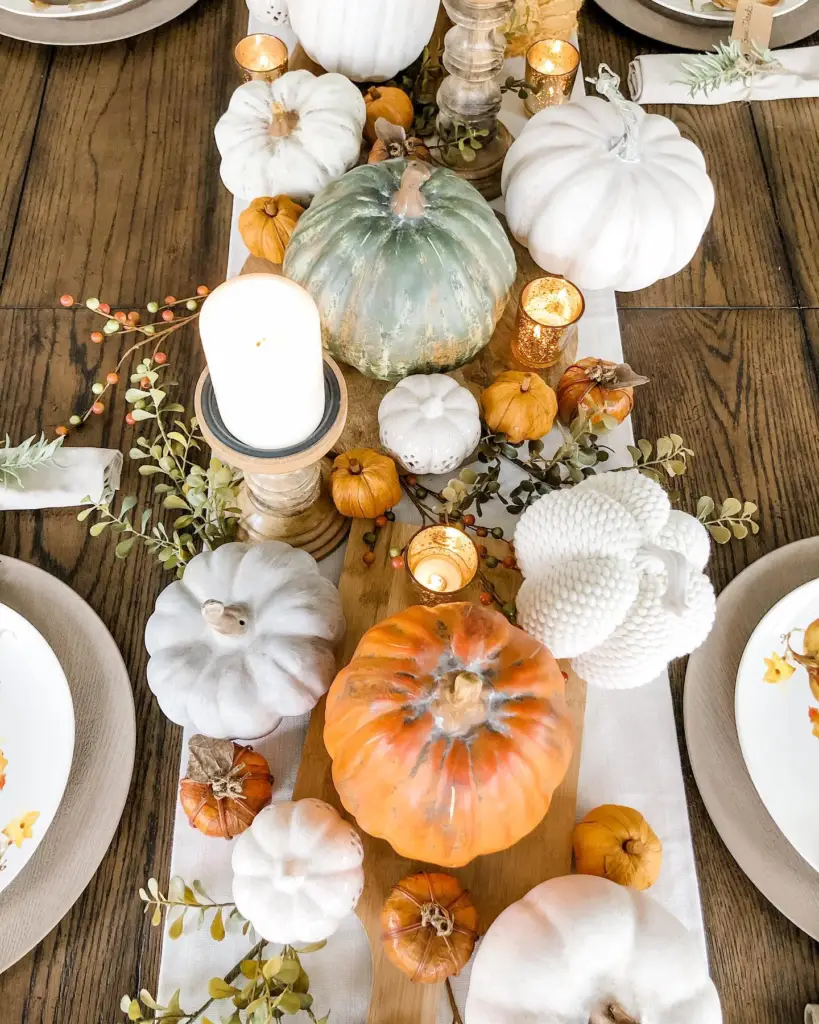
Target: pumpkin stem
[433, 915]
[284, 121]
[611, 1013]
[409, 201]
[355, 467]
[607, 83]
[634, 847]
[230, 786]
[459, 704]
[227, 619]
[271, 207]
[526, 383]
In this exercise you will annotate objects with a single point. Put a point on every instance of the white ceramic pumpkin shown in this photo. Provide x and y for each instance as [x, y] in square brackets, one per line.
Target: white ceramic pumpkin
[584, 950]
[245, 638]
[366, 40]
[429, 423]
[290, 137]
[297, 871]
[606, 194]
[270, 12]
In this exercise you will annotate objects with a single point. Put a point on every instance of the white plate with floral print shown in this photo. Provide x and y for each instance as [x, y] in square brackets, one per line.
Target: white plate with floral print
[36, 740]
[61, 8]
[777, 716]
[710, 11]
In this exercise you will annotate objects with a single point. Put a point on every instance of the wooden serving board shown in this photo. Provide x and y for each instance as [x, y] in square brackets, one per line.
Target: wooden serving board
[369, 594]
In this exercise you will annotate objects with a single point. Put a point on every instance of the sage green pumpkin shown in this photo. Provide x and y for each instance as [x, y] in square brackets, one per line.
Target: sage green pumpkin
[408, 265]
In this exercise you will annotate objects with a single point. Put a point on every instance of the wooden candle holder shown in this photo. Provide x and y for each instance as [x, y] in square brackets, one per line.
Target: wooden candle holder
[286, 492]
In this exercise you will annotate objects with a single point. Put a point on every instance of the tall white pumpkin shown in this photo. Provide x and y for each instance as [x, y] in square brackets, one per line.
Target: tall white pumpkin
[606, 194]
[366, 40]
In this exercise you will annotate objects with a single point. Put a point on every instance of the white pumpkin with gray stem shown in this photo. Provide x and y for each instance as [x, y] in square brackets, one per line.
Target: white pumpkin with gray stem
[244, 639]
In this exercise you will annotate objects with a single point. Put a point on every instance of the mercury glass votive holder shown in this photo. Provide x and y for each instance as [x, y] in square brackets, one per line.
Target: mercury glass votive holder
[442, 563]
[551, 68]
[548, 314]
[261, 57]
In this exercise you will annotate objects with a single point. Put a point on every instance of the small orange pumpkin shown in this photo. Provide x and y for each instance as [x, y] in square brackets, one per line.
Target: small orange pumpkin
[225, 787]
[520, 405]
[392, 142]
[267, 225]
[597, 388]
[448, 732]
[364, 483]
[617, 843]
[429, 926]
[389, 102]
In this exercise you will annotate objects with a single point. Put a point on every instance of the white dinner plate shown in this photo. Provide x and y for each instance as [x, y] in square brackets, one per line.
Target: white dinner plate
[702, 11]
[36, 740]
[80, 8]
[774, 727]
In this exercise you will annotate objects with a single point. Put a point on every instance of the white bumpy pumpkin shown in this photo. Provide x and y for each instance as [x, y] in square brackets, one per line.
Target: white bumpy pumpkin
[613, 578]
[366, 40]
[297, 871]
[290, 137]
[430, 423]
[584, 950]
[606, 194]
[245, 638]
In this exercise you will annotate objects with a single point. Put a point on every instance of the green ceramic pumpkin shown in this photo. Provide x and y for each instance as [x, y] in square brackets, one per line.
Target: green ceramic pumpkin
[408, 265]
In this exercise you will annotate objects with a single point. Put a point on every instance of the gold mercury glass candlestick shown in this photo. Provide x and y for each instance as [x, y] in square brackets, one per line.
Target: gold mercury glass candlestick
[551, 68]
[261, 58]
[442, 562]
[550, 308]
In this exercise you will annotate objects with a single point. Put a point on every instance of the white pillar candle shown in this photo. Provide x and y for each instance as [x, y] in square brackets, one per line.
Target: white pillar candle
[262, 339]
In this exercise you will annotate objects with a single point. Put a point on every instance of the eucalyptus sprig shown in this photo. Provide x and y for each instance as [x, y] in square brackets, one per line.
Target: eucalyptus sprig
[459, 140]
[727, 64]
[668, 456]
[731, 518]
[183, 898]
[31, 454]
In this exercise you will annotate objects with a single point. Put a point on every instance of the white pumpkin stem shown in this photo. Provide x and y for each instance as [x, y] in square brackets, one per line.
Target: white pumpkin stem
[227, 619]
[607, 83]
[409, 201]
[678, 571]
[283, 122]
[612, 1013]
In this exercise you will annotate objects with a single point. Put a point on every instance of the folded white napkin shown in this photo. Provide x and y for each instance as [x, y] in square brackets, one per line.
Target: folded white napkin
[73, 474]
[660, 78]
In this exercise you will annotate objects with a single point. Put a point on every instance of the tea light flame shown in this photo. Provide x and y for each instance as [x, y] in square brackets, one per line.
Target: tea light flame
[261, 56]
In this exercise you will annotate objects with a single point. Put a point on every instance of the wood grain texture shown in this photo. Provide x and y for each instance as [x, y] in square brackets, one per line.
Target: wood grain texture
[369, 594]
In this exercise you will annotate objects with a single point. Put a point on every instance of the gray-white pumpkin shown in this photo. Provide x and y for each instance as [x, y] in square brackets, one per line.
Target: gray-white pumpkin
[409, 267]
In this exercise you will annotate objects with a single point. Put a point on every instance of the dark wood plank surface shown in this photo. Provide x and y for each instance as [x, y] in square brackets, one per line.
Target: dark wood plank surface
[109, 185]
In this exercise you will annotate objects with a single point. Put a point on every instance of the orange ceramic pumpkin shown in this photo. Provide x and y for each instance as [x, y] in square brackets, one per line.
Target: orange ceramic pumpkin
[448, 732]
[389, 102]
[225, 788]
[429, 926]
[267, 224]
[364, 483]
[596, 388]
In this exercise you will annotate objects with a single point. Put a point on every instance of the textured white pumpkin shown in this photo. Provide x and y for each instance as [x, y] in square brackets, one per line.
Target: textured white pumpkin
[575, 948]
[366, 40]
[613, 578]
[271, 12]
[430, 423]
[297, 871]
[290, 137]
[606, 194]
[245, 638]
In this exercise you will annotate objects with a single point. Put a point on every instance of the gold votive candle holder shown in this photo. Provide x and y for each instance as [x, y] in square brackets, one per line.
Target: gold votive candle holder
[549, 311]
[551, 68]
[442, 563]
[261, 57]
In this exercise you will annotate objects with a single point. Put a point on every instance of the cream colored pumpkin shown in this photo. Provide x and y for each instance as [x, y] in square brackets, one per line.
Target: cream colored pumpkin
[367, 40]
[606, 194]
[290, 137]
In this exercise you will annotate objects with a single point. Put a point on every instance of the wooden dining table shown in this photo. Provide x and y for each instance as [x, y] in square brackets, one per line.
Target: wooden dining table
[109, 187]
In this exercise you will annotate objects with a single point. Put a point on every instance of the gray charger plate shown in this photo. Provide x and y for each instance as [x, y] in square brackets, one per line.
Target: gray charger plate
[681, 31]
[108, 27]
[746, 828]
[105, 734]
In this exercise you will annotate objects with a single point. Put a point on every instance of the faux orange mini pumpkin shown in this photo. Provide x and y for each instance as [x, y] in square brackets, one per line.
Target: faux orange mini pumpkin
[520, 405]
[364, 483]
[597, 388]
[429, 926]
[448, 732]
[267, 224]
[225, 788]
[389, 102]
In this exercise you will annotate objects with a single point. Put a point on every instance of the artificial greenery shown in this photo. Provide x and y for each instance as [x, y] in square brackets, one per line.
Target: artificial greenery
[731, 518]
[31, 454]
[725, 65]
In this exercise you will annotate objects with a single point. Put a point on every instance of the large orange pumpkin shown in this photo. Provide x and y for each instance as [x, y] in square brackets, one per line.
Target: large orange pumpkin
[449, 732]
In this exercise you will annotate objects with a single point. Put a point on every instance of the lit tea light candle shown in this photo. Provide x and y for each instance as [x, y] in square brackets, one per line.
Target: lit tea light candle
[262, 339]
[551, 68]
[550, 308]
[442, 561]
[261, 57]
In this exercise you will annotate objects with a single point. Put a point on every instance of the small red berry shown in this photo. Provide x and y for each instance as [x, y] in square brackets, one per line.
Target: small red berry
[482, 550]
[380, 521]
[469, 520]
[481, 531]
[412, 480]
[66, 300]
[97, 337]
[129, 419]
[167, 315]
[397, 562]
[202, 289]
[103, 307]
[98, 408]
[112, 378]
[160, 358]
[145, 384]
[62, 431]
[120, 316]
[169, 300]
[368, 558]
[133, 317]
[486, 598]
[565, 676]
[509, 562]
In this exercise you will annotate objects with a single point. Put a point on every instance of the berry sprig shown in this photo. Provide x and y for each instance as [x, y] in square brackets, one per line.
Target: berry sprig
[119, 323]
[370, 538]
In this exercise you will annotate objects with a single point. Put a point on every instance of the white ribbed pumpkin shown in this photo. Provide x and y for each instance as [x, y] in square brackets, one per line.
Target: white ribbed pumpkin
[430, 423]
[606, 194]
[290, 137]
[366, 40]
